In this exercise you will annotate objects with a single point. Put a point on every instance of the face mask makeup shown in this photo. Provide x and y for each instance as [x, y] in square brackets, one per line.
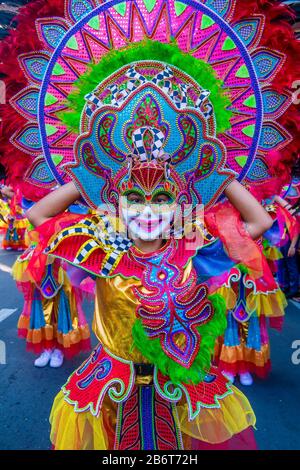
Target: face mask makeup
[148, 222]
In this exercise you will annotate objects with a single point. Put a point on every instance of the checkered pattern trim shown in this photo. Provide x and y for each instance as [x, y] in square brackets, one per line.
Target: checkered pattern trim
[117, 95]
[120, 246]
[93, 103]
[163, 76]
[107, 225]
[180, 97]
[139, 146]
[133, 74]
[75, 230]
[115, 244]
[201, 99]
[162, 79]
[93, 99]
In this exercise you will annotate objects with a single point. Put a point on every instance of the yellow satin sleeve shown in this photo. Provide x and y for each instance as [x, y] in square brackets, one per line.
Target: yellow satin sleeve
[82, 431]
[115, 314]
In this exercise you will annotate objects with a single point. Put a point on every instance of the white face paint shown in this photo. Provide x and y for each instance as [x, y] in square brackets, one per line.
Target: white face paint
[147, 224]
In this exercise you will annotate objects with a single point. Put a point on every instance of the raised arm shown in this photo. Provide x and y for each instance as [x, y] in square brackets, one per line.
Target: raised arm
[53, 204]
[254, 215]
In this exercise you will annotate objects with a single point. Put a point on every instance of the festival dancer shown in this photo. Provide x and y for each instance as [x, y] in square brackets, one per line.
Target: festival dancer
[252, 304]
[4, 211]
[244, 350]
[288, 272]
[6, 193]
[159, 283]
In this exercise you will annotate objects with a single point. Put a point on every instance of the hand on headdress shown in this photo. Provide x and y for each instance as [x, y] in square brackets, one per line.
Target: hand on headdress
[7, 192]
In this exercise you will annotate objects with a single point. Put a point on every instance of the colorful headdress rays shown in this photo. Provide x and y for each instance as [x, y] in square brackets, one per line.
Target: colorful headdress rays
[222, 93]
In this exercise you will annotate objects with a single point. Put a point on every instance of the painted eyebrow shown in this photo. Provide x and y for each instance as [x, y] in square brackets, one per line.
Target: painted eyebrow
[162, 194]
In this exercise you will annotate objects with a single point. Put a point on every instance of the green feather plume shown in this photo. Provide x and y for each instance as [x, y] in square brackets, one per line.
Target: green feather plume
[209, 332]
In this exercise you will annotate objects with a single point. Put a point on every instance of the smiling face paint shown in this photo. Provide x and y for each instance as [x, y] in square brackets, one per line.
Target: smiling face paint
[150, 190]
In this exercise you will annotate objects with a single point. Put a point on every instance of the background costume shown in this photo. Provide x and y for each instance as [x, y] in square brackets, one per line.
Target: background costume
[52, 316]
[279, 237]
[162, 122]
[245, 347]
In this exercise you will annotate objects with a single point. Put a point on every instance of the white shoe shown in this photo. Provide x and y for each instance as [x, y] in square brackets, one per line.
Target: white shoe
[43, 359]
[229, 376]
[57, 358]
[246, 378]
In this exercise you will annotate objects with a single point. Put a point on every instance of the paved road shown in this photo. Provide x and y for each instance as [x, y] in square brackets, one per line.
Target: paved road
[26, 393]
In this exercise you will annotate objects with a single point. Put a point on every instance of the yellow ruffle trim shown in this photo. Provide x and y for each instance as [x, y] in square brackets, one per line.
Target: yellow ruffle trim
[75, 431]
[271, 304]
[81, 431]
[20, 274]
[228, 295]
[19, 269]
[219, 424]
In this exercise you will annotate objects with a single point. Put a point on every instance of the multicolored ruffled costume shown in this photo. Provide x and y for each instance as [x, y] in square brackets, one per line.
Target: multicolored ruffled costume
[153, 96]
[245, 347]
[254, 304]
[145, 384]
[4, 212]
[285, 228]
[52, 316]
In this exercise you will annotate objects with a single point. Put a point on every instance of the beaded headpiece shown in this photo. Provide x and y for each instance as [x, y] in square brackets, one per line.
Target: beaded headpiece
[149, 124]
